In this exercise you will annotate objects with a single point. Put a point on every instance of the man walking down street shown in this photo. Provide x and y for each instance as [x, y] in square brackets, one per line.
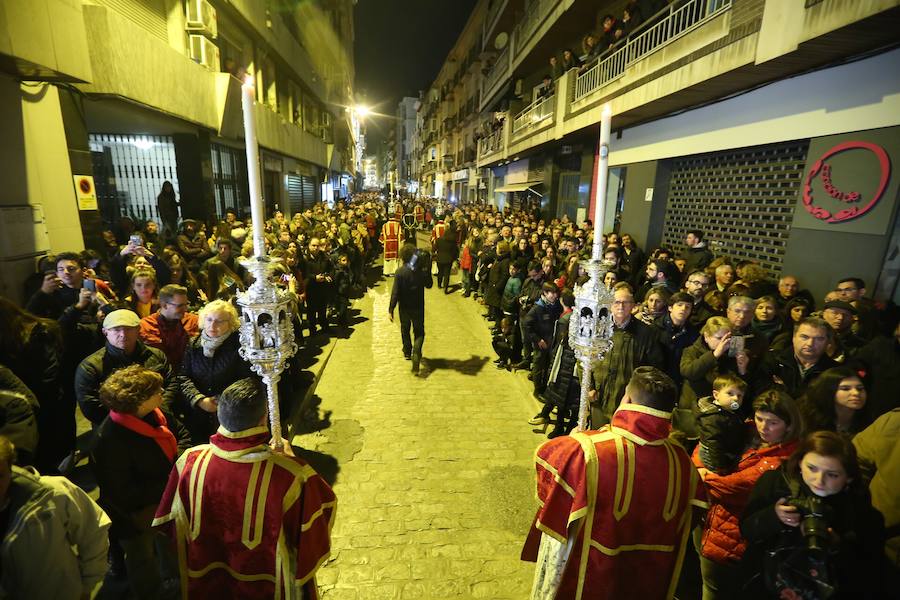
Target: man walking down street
[410, 282]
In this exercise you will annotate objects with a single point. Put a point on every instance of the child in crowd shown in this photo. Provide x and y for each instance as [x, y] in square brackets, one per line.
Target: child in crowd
[721, 424]
[343, 282]
[504, 343]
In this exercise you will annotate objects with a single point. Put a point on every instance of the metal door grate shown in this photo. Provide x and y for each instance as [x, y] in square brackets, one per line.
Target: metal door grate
[229, 178]
[141, 163]
[743, 200]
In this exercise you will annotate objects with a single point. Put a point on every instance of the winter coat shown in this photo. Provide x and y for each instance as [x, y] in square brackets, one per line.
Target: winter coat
[699, 367]
[132, 472]
[465, 259]
[722, 541]
[859, 530]
[540, 322]
[674, 340]
[169, 336]
[56, 539]
[496, 282]
[563, 387]
[203, 376]
[446, 251]
[634, 345]
[779, 369]
[17, 415]
[697, 258]
[721, 436]
[94, 370]
[880, 358]
[509, 302]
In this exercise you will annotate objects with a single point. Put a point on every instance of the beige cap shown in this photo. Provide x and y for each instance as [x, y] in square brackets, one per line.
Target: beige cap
[121, 318]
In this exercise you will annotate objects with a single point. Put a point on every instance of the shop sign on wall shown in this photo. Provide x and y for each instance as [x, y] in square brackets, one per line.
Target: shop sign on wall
[848, 185]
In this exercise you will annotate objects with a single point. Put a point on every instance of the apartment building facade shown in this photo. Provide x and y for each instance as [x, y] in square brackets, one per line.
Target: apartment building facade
[724, 114]
[132, 93]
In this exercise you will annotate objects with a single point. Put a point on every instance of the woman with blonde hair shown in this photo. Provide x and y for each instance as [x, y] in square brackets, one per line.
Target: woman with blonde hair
[211, 363]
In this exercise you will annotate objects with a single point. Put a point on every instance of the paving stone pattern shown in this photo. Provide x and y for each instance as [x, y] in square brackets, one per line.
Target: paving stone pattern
[435, 488]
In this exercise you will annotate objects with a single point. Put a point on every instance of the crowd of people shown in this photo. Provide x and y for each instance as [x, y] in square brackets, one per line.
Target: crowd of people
[787, 403]
[143, 338]
[767, 378]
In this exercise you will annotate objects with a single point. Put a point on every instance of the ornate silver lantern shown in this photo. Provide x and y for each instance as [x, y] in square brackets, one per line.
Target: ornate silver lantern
[591, 323]
[267, 331]
[267, 334]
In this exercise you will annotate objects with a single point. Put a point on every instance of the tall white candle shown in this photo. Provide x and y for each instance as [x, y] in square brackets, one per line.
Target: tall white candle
[256, 203]
[602, 178]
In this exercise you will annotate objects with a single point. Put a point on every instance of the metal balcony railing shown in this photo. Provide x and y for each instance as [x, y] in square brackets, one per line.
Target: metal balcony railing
[534, 114]
[491, 143]
[535, 13]
[680, 21]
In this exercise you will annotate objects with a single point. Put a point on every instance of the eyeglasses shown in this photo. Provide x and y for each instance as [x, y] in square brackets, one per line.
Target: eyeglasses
[847, 289]
[695, 282]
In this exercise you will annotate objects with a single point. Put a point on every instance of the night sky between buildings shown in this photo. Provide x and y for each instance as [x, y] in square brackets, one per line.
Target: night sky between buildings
[399, 48]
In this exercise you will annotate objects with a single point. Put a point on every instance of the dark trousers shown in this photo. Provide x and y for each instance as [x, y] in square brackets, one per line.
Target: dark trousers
[317, 313]
[540, 363]
[443, 274]
[416, 320]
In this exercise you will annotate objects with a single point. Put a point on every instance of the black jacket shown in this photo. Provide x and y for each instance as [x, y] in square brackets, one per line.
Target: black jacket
[132, 472]
[780, 369]
[858, 547]
[696, 258]
[565, 390]
[540, 322]
[497, 278]
[446, 251]
[409, 285]
[94, 370]
[674, 340]
[203, 376]
[881, 358]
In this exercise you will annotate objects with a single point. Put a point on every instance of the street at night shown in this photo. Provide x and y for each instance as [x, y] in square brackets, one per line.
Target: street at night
[433, 299]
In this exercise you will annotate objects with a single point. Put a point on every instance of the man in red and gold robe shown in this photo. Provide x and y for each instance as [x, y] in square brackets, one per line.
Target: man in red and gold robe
[419, 212]
[390, 238]
[616, 503]
[247, 522]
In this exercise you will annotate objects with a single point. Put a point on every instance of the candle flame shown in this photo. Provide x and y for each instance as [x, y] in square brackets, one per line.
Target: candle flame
[248, 80]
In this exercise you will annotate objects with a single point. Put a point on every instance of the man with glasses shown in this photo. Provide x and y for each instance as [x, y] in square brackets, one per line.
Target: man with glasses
[696, 285]
[171, 327]
[634, 345]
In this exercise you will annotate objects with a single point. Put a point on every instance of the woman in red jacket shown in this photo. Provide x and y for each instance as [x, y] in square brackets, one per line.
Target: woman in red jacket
[772, 436]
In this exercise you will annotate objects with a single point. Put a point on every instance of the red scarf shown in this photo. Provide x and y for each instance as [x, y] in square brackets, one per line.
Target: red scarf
[160, 434]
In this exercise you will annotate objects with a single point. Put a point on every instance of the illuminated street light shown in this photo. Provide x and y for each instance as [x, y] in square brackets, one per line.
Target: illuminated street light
[362, 111]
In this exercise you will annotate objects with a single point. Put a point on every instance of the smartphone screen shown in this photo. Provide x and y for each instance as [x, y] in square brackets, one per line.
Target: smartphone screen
[136, 240]
[90, 285]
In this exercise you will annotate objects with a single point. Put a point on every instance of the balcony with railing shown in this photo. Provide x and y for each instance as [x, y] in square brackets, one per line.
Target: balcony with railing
[680, 21]
[490, 144]
[495, 9]
[537, 114]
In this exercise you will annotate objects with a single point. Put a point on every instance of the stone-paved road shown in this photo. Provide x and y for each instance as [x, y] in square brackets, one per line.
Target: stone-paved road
[435, 483]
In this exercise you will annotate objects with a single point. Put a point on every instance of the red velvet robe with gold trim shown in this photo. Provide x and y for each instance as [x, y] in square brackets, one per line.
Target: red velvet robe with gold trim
[625, 492]
[248, 523]
[390, 237]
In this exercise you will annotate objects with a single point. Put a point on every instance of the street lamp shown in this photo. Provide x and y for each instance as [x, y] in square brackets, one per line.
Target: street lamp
[591, 324]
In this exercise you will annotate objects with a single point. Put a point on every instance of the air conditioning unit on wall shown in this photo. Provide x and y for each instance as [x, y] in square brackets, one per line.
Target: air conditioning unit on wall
[204, 51]
[201, 18]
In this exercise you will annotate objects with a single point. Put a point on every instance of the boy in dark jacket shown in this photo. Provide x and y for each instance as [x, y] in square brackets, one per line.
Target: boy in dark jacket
[538, 325]
[721, 425]
[343, 283]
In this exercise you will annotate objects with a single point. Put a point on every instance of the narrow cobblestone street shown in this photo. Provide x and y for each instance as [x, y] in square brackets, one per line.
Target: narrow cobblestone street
[434, 487]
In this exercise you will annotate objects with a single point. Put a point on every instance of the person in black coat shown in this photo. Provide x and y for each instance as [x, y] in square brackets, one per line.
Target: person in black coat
[496, 281]
[822, 474]
[563, 386]
[32, 348]
[539, 325]
[134, 450]
[782, 368]
[319, 278]
[676, 332]
[446, 252]
[211, 363]
[123, 348]
[881, 359]
[408, 292]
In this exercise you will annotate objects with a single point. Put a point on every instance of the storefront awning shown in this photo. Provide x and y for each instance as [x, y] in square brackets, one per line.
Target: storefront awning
[520, 187]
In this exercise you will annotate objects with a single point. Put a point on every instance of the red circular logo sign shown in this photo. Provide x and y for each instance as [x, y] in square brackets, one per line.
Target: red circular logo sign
[84, 185]
[821, 169]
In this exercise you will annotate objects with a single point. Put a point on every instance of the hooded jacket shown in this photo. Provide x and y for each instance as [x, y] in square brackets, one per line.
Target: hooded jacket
[56, 539]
